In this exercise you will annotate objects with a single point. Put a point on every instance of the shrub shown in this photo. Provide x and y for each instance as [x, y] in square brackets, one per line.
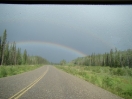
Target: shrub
[106, 69]
[107, 82]
[129, 71]
[3, 72]
[120, 72]
[13, 70]
[118, 83]
[93, 78]
[128, 93]
[87, 77]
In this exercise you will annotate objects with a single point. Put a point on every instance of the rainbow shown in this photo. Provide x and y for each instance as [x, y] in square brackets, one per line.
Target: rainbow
[54, 45]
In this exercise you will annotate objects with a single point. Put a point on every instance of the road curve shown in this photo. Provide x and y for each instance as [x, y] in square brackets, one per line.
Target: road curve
[47, 82]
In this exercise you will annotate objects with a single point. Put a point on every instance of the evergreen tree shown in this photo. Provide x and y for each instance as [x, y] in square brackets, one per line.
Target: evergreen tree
[25, 57]
[3, 43]
[6, 55]
[111, 58]
[19, 58]
[14, 53]
[9, 55]
[107, 59]
[0, 50]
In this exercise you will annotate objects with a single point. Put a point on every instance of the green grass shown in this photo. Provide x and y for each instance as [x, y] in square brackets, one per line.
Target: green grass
[115, 80]
[13, 70]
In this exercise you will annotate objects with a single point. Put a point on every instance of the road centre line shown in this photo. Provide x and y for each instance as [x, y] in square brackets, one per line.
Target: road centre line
[21, 92]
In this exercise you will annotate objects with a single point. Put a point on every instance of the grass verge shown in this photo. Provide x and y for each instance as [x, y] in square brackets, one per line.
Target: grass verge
[13, 70]
[115, 80]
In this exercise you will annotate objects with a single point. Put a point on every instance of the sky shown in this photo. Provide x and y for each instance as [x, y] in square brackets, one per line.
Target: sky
[58, 32]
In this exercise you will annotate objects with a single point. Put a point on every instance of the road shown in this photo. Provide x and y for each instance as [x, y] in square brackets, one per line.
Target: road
[48, 82]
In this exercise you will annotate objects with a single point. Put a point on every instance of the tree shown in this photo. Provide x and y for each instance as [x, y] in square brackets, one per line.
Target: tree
[10, 55]
[0, 50]
[25, 57]
[6, 55]
[107, 59]
[63, 62]
[14, 53]
[2, 46]
[18, 57]
[111, 58]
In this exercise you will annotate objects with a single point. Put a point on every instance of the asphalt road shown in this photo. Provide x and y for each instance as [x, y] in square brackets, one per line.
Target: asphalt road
[48, 82]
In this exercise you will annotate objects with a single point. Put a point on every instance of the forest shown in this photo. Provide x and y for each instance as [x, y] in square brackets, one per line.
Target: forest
[11, 55]
[111, 71]
[114, 58]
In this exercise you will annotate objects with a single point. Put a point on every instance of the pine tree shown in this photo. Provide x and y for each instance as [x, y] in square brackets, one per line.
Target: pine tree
[111, 58]
[107, 59]
[25, 57]
[3, 43]
[14, 53]
[0, 50]
[6, 54]
[18, 57]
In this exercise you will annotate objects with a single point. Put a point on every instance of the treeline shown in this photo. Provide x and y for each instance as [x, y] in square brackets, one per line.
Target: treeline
[114, 58]
[11, 55]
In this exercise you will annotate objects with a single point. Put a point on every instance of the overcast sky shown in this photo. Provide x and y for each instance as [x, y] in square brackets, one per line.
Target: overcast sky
[58, 32]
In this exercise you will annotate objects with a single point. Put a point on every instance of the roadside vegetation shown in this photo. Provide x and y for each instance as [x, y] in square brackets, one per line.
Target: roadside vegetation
[115, 80]
[111, 70]
[13, 70]
[13, 61]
